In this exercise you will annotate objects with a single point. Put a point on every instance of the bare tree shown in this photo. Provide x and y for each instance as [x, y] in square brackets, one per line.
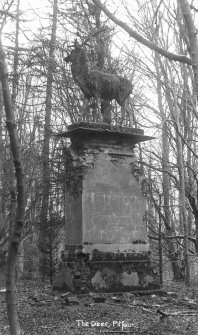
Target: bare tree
[20, 210]
[46, 148]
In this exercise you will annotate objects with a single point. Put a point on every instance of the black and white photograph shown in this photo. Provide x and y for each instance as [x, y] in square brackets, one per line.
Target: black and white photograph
[98, 167]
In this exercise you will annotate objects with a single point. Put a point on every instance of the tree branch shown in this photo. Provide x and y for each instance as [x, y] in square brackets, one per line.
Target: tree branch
[194, 8]
[141, 39]
[192, 239]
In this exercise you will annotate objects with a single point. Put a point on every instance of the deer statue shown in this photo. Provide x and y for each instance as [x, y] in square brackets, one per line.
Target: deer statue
[97, 84]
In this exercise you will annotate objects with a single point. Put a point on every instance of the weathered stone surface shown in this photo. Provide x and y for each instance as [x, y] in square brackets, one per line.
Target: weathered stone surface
[106, 237]
[63, 280]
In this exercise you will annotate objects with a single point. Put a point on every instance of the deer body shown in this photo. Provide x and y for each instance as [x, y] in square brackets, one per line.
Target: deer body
[95, 83]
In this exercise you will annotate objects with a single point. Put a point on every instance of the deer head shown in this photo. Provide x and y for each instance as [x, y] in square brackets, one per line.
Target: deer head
[76, 49]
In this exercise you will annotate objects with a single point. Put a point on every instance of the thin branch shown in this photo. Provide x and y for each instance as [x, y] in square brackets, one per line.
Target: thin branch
[141, 39]
[194, 8]
[192, 239]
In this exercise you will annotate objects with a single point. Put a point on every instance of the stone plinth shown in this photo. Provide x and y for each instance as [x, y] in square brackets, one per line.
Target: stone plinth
[106, 238]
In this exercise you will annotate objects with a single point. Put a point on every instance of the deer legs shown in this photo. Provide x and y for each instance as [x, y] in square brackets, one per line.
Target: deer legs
[106, 111]
[92, 110]
[98, 102]
[126, 116]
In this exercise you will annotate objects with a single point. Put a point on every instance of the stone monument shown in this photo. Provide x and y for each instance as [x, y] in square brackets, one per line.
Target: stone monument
[106, 245]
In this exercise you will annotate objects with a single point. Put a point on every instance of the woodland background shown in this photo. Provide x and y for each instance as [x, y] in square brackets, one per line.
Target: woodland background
[45, 98]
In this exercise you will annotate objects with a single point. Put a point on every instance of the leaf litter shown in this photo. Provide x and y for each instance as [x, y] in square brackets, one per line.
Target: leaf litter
[43, 311]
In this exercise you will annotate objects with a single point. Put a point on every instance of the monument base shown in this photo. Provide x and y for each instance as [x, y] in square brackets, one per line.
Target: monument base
[106, 271]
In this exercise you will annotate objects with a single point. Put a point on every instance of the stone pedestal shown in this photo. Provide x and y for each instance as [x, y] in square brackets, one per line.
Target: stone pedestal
[106, 245]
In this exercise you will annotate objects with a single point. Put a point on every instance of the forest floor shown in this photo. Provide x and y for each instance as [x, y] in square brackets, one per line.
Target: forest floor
[43, 311]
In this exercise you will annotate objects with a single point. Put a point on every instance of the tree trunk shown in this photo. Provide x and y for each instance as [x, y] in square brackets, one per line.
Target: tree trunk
[160, 247]
[105, 104]
[183, 209]
[15, 80]
[43, 243]
[20, 210]
[2, 181]
[192, 35]
[177, 275]
[182, 190]
[194, 206]
[193, 42]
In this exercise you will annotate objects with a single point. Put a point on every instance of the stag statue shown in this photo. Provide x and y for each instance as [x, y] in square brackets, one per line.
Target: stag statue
[96, 83]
